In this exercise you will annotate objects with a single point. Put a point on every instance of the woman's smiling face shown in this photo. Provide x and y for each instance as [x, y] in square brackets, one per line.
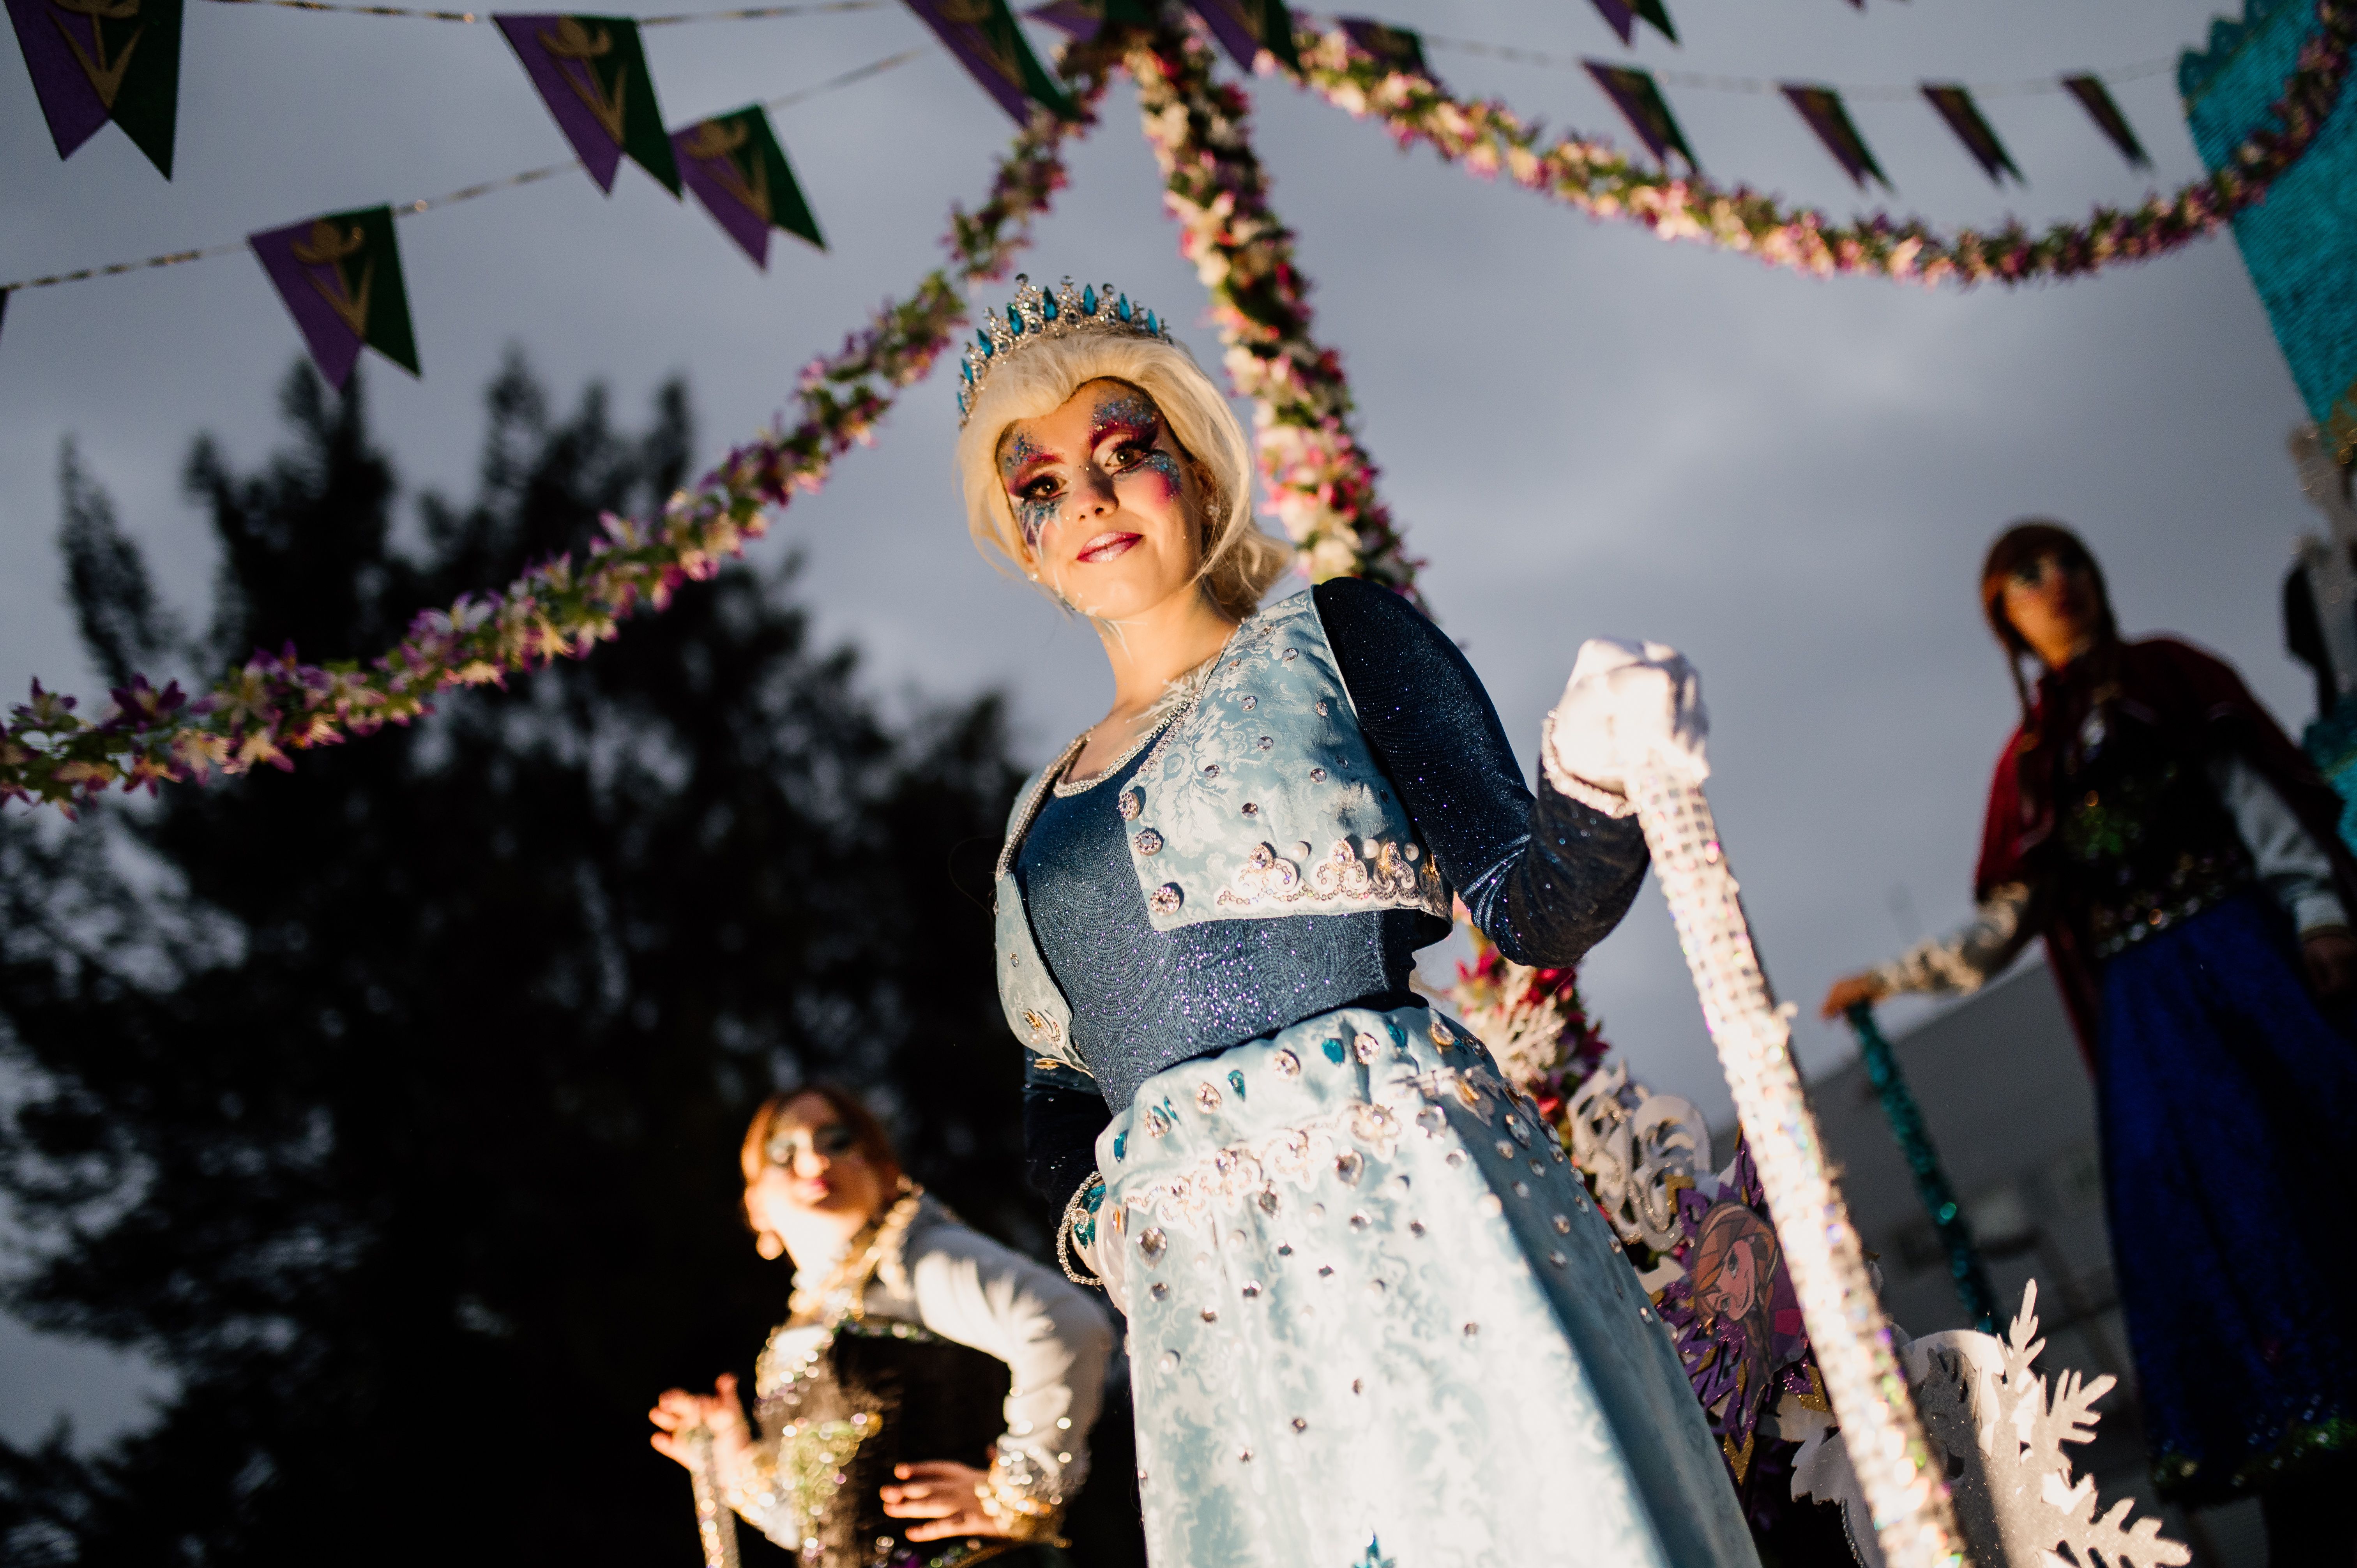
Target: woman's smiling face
[1108, 501]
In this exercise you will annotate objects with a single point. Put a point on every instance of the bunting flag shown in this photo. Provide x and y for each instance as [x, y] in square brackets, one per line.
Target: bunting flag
[1398, 49]
[1245, 28]
[1622, 16]
[592, 74]
[2088, 92]
[1963, 117]
[1080, 20]
[95, 60]
[736, 170]
[341, 277]
[984, 37]
[1633, 92]
[1822, 108]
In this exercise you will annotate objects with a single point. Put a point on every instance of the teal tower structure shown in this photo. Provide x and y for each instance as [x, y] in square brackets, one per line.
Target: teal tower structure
[2300, 243]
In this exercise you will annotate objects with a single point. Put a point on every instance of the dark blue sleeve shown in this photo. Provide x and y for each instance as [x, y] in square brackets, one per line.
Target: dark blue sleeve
[1546, 878]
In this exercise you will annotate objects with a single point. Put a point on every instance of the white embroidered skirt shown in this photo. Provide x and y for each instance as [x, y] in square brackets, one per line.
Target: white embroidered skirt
[1373, 1319]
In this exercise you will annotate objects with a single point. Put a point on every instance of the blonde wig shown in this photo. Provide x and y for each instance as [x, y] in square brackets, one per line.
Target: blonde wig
[1239, 561]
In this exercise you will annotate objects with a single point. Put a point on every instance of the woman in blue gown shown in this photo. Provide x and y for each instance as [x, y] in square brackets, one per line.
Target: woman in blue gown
[2178, 856]
[1373, 1318]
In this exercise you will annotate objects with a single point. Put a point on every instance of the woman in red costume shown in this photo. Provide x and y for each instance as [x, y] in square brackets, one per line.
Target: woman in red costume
[2179, 856]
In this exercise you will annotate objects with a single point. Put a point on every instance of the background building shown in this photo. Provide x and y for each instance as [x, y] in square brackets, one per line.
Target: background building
[2011, 1108]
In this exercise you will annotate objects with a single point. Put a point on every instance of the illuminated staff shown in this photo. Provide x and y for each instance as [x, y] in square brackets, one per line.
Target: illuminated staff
[1905, 1494]
[1930, 1178]
[715, 1526]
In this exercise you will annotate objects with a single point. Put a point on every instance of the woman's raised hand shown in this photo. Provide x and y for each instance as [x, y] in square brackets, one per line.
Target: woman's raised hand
[1849, 992]
[678, 1412]
[943, 1493]
[1629, 706]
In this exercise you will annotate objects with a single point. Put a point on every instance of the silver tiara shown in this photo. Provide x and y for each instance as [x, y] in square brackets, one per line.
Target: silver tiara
[1036, 313]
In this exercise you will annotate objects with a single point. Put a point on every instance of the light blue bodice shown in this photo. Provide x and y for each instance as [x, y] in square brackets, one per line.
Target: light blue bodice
[1262, 800]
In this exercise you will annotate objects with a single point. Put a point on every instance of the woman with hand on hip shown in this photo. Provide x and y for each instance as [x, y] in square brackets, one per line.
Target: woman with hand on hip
[928, 1400]
[1373, 1316]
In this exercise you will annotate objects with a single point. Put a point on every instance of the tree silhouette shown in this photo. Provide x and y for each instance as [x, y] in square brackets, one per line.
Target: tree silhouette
[392, 1102]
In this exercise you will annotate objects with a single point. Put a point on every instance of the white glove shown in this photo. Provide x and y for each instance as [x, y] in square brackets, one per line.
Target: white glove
[1628, 707]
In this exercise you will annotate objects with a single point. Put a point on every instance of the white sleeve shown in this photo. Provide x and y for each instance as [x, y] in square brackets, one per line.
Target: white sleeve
[1970, 956]
[2292, 866]
[1053, 1336]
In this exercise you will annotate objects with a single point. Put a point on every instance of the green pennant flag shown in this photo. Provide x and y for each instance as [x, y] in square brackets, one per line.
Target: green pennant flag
[341, 277]
[1657, 13]
[95, 60]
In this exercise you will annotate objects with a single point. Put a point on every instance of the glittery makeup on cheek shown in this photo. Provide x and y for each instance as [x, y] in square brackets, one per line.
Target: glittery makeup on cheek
[1164, 464]
[1034, 516]
[1016, 452]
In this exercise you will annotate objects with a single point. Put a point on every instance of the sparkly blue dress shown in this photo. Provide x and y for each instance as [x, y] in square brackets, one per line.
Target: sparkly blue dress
[2227, 1098]
[1373, 1316]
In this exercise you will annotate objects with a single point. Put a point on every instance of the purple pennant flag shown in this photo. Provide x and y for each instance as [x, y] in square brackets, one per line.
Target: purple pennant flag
[1229, 24]
[300, 260]
[1640, 100]
[1963, 116]
[705, 165]
[51, 36]
[2088, 92]
[963, 25]
[1822, 108]
[600, 151]
[341, 277]
[1073, 20]
[1621, 19]
[592, 73]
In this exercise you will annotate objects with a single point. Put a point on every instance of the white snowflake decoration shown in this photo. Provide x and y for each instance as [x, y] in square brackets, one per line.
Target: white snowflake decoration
[1639, 1148]
[1988, 1418]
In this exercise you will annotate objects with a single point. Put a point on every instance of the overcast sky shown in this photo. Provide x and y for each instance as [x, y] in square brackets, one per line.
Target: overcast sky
[1584, 430]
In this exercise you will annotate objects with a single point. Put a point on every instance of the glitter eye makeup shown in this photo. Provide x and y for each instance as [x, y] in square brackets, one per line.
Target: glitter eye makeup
[1124, 429]
[1132, 420]
[1033, 515]
[1037, 500]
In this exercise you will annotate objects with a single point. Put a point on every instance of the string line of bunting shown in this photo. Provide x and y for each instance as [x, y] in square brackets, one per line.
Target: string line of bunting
[1322, 484]
[274, 704]
[1637, 94]
[100, 60]
[96, 60]
[591, 73]
[339, 274]
[1622, 16]
[1369, 75]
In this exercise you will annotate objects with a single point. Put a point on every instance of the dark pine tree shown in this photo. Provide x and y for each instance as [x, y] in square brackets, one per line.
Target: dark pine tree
[391, 1103]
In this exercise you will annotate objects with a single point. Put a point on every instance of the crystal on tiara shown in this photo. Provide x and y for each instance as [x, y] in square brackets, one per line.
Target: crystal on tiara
[1036, 313]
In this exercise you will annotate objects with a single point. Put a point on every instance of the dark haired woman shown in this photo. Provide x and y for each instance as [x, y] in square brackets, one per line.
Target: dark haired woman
[2179, 856]
[893, 1364]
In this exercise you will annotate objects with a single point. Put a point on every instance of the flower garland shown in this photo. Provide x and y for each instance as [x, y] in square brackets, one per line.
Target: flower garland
[1534, 1021]
[1486, 137]
[1319, 482]
[275, 704]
